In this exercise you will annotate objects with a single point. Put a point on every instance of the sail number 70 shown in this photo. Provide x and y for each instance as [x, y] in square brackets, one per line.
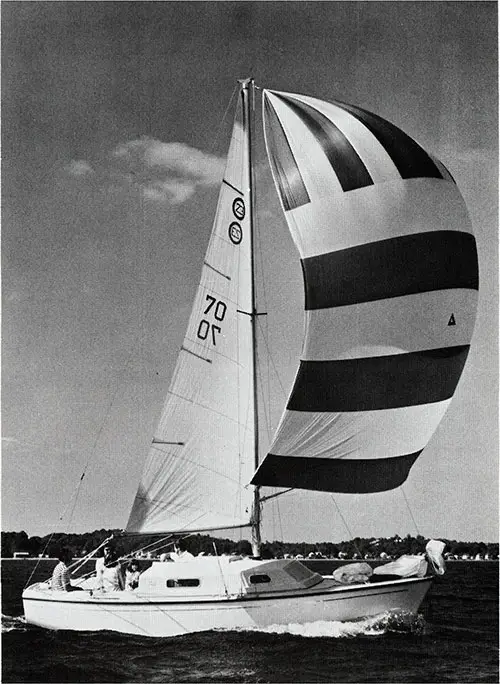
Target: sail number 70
[218, 310]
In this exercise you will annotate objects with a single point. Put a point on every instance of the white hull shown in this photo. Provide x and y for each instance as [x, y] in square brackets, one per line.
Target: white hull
[130, 613]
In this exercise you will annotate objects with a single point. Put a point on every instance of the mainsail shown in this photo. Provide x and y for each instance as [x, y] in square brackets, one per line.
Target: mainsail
[391, 278]
[202, 456]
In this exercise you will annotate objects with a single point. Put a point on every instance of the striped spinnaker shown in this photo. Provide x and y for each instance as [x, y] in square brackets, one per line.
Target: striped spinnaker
[391, 278]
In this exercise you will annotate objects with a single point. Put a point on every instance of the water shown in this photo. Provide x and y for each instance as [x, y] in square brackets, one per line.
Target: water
[455, 639]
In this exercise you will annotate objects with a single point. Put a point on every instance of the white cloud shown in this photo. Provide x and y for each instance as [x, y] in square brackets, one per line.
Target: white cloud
[174, 192]
[79, 168]
[187, 162]
[162, 172]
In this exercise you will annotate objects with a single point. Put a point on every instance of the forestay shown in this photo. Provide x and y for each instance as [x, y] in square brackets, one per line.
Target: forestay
[391, 278]
[201, 459]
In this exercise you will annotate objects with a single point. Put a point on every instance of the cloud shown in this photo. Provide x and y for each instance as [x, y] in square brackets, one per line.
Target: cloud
[175, 192]
[79, 168]
[162, 172]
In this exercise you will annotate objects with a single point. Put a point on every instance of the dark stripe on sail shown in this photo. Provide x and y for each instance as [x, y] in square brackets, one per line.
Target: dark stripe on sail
[411, 160]
[345, 161]
[396, 267]
[378, 382]
[291, 187]
[334, 475]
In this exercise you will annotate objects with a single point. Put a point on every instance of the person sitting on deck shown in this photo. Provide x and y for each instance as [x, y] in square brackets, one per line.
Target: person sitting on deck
[180, 552]
[109, 571]
[61, 577]
[132, 575]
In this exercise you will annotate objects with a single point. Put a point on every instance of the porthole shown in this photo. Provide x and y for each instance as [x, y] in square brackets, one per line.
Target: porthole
[183, 583]
[259, 579]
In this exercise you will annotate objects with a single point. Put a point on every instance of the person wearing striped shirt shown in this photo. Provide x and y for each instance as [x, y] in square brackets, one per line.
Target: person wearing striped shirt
[60, 577]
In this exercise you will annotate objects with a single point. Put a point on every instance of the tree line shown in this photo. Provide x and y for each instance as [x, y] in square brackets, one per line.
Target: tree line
[359, 547]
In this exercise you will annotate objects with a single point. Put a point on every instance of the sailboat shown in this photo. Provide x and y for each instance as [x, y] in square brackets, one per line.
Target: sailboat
[391, 282]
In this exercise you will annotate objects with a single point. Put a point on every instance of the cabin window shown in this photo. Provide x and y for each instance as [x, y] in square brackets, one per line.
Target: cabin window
[259, 579]
[183, 583]
[298, 571]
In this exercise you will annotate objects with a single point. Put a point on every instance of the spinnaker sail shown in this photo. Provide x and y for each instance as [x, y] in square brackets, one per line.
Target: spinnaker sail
[391, 278]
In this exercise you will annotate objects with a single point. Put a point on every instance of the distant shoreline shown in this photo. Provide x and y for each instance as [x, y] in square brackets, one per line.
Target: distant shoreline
[309, 560]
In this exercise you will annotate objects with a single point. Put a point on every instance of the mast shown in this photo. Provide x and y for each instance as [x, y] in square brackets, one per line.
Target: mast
[248, 95]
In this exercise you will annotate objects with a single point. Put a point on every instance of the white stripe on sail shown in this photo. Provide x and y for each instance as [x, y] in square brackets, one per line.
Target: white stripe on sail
[318, 175]
[378, 163]
[358, 435]
[391, 326]
[379, 212]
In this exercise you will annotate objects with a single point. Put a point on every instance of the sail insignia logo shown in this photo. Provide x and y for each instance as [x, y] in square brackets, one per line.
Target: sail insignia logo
[235, 233]
[239, 208]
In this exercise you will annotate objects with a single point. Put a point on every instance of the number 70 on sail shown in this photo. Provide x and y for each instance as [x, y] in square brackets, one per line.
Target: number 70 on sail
[218, 312]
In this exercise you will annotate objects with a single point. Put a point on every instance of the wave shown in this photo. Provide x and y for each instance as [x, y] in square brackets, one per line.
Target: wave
[12, 624]
[400, 622]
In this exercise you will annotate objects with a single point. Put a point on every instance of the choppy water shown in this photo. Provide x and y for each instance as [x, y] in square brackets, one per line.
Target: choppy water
[454, 639]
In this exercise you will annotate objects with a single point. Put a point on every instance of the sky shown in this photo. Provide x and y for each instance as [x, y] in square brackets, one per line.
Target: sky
[114, 135]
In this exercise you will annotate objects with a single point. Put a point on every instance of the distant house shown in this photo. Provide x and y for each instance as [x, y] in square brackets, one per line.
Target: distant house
[21, 554]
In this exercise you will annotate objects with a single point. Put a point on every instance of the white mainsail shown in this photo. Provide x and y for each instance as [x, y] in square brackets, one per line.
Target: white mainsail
[391, 278]
[202, 456]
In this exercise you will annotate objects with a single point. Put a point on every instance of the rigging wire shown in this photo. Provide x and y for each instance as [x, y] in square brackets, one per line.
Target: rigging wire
[279, 520]
[220, 570]
[93, 450]
[349, 531]
[224, 116]
[276, 494]
[271, 360]
[86, 558]
[137, 341]
[40, 556]
[409, 509]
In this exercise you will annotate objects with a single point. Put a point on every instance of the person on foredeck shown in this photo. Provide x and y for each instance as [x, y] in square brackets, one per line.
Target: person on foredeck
[61, 579]
[109, 571]
[180, 552]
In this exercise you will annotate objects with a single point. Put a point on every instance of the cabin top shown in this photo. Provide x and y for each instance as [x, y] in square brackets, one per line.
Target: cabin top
[227, 575]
